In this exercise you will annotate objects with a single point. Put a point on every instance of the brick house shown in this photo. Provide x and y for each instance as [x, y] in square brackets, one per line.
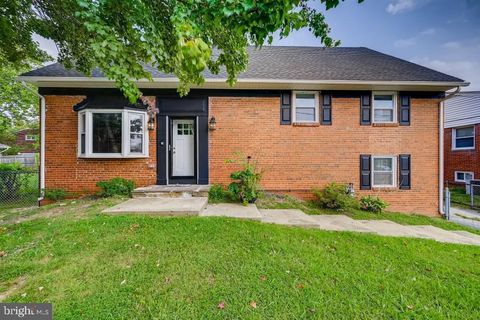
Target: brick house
[309, 116]
[26, 139]
[462, 142]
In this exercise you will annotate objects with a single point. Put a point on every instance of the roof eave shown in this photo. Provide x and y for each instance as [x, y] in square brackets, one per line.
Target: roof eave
[243, 83]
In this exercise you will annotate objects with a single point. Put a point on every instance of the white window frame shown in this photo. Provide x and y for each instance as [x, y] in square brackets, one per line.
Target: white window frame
[464, 172]
[394, 95]
[294, 108]
[125, 134]
[454, 138]
[394, 171]
[30, 137]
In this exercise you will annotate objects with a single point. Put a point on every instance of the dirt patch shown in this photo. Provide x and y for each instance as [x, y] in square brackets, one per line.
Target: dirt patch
[17, 284]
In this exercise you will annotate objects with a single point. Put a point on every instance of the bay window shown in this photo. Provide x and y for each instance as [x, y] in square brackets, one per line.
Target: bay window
[104, 133]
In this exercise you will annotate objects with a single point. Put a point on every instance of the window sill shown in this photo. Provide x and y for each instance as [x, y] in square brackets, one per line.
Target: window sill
[386, 188]
[99, 157]
[306, 124]
[379, 124]
[463, 149]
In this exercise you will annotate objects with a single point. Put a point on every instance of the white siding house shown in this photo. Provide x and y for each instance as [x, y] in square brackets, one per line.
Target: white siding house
[463, 109]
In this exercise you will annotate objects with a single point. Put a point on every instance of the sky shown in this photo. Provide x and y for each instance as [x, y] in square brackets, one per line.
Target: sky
[440, 34]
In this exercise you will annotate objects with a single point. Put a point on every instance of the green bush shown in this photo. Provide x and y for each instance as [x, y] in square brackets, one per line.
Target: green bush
[116, 187]
[217, 193]
[334, 196]
[55, 194]
[372, 204]
[246, 187]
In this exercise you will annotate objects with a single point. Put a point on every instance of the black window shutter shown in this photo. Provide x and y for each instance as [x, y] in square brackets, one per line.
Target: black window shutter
[404, 110]
[286, 108]
[365, 172]
[365, 110]
[404, 171]
[326, 109]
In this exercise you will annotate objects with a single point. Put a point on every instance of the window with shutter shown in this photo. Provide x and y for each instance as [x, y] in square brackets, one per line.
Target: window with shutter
[404, 171]
[285, 108]
[404, 111]
[365, 172]
[326, 109]
[365, 110]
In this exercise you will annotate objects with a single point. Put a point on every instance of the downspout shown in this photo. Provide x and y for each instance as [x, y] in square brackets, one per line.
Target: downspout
[42, 141]
[441, 149]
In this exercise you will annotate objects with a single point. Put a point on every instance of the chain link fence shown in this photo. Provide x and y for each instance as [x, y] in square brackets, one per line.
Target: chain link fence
[19, 188]
[475, 194]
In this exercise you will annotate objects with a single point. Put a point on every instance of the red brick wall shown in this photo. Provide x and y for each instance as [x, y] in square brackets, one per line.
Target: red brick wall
[63, 168]
[461, 160]
[296, 159]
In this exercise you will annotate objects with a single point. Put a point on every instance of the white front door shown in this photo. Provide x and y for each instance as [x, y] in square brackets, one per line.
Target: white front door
[183, 148]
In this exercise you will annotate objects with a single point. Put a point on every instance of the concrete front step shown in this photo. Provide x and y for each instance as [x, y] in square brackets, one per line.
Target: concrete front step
[161, 206]
[172, 191]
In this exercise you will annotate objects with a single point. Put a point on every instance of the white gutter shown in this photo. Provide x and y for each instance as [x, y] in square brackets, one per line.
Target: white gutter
[42, 141]
[48, 81]
[441, 149]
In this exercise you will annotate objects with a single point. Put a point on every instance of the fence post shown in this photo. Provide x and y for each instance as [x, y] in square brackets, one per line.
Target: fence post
[447, 203]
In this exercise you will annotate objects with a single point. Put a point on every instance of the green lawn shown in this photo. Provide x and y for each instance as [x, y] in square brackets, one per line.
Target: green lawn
[92, 266]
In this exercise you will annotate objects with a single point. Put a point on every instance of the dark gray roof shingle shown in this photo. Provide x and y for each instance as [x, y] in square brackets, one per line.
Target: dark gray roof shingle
[305, 63]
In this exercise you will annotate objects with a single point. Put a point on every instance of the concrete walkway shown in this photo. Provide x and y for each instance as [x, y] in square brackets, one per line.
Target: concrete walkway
[465, 217]
[178, 206]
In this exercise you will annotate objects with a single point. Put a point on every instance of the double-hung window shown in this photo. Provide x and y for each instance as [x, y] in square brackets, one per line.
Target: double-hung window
[104, 133]
[384, 171]
[384, 107]
[305, 104]
[464, 138]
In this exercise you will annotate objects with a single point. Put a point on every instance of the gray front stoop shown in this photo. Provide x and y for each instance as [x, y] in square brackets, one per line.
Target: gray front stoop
[161, 206]
[172, 191]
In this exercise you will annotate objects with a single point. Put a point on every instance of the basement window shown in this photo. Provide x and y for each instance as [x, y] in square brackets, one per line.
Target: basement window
[112, 134]
[463, 176]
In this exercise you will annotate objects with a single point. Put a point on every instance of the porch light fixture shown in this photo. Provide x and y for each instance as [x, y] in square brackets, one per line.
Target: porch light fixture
[151, 122]
[212, 124]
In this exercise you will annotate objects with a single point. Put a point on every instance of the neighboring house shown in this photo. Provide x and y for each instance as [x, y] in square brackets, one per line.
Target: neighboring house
[26, 139]
[462, 132]
[309, 116]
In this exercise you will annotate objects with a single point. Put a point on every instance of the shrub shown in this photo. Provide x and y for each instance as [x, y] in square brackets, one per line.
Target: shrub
[246, 187]
[217, 193]
[55, 194]
[116, 187]
[372, 204]
[334, 196]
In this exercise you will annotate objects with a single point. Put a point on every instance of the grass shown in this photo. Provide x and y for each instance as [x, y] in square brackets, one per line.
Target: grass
[286, 202]
[93, 266]
[460, 199]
